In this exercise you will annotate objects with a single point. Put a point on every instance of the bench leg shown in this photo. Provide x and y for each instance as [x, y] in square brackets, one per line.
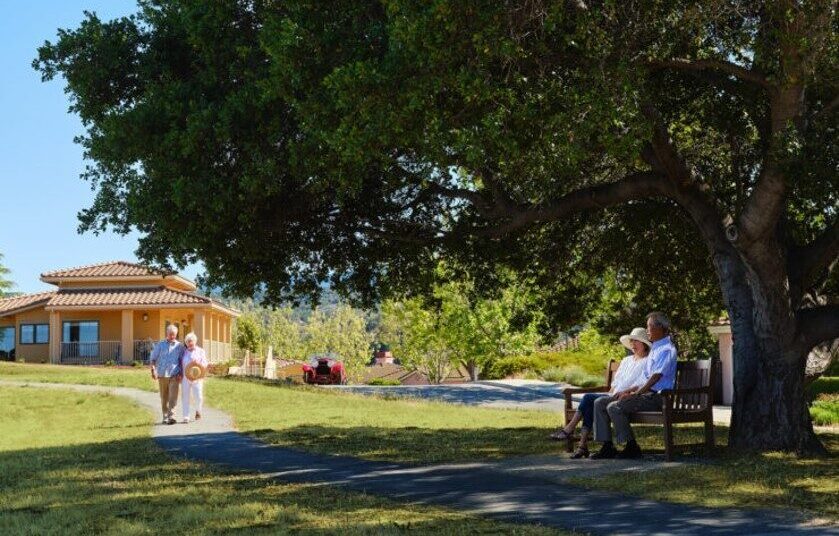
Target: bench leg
[709, 434]
[668, 441]
[569, 443]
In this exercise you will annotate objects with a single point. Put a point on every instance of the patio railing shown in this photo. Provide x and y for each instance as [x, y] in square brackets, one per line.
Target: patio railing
[142, 350]
[90, 353]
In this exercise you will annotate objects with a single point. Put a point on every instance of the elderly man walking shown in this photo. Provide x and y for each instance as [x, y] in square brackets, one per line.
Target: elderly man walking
[166, 369]
[659, 374]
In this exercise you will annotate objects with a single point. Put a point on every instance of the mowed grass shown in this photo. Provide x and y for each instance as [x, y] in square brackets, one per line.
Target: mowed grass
[137, 377]
[319, 420]
[728, 479]
[408, 431]
[426, 432]
[79, 463]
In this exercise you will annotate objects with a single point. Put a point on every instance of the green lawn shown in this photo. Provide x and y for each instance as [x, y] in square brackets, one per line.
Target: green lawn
[825, 408]
[761, 480]
[74, 463]
[339, 423]
[427, 432]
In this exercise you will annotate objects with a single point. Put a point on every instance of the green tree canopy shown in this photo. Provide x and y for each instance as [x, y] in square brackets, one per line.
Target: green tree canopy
[5, 284]
[342, 332]
[357, 143]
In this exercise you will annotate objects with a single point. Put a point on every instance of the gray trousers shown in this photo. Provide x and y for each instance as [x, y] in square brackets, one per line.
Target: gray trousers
[608, 410]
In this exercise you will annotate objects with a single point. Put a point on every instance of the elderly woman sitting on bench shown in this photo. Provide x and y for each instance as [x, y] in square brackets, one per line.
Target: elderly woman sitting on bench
[629, 376]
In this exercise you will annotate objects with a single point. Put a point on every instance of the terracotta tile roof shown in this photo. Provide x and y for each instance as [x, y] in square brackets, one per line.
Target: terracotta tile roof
[9, 305]
[124, 296]
[106, 269]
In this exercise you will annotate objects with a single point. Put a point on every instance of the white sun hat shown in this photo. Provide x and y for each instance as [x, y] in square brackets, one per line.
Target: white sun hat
[637, 334]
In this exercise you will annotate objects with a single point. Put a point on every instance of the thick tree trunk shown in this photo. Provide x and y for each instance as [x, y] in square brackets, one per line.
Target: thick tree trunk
[770, 410]
[474, 370]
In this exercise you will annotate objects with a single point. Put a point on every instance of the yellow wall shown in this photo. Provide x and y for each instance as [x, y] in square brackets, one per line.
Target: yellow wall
[110, 327]
[150, 329]
[32, 353]
[110, 322]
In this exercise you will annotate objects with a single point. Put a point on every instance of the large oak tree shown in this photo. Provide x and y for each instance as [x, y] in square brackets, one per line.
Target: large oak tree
[290, 143]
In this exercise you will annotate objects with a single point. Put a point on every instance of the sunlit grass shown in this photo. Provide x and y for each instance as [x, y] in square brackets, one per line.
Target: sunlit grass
[80, 463]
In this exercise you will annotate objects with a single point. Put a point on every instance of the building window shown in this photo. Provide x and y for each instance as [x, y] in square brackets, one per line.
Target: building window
[34, 333]
[7, 343]
[80, 338]
[85, 331]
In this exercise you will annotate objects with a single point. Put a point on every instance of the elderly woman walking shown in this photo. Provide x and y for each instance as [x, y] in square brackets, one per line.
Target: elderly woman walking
[628, 378]
[166, 369]
[193, 354]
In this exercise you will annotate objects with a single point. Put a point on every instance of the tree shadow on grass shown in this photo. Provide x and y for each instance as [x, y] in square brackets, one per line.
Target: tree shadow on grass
[131, 487]
[415, 445]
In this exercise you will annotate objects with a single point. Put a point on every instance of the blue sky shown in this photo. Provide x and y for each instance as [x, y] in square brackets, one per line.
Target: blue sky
[40, 188]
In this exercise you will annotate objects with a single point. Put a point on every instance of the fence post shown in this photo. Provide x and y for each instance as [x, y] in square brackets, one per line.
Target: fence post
[270, 371]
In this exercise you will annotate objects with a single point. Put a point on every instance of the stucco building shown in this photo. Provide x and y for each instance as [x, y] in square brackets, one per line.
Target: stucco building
[110, 312]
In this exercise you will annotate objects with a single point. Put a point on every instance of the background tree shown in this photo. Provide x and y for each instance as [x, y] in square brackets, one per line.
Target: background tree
[284, 334]
[358, 143]
[5, 284]
[248, 333]
[343, 333]
[415, 335]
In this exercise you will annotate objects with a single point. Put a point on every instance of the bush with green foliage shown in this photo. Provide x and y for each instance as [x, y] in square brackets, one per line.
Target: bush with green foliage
[574, 375]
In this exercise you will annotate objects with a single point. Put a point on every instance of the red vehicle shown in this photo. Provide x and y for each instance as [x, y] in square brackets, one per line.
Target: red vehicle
[324, 370]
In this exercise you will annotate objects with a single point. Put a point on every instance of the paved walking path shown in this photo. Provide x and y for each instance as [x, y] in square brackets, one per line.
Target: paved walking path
[508, 491]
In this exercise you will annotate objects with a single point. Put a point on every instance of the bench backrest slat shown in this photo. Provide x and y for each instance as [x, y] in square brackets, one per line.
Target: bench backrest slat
[693, 375]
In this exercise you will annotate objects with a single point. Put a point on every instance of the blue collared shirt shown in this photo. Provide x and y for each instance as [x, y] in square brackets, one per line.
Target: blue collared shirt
[662, 360]
[166, 358]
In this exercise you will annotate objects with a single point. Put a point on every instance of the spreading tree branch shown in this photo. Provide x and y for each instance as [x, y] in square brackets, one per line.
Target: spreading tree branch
[751, 76]
[817, 325]
[807, 265]
[638, 185]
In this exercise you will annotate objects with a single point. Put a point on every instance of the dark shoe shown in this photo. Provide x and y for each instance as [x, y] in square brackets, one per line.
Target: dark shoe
[171, 420]
[630, 452]
[607, 451]
[197, 415]
[581, 452]
[560, 435]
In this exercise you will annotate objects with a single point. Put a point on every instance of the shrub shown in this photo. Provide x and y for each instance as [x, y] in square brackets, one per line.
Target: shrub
[383, 381]
[825, 410]
[138, 364]
[110, 363]
[574, 374]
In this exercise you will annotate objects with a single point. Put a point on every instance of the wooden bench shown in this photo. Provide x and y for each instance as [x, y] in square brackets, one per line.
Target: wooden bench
[691, 400]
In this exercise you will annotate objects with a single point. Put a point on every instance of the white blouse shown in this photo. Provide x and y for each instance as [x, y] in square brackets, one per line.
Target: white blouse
[630, 373]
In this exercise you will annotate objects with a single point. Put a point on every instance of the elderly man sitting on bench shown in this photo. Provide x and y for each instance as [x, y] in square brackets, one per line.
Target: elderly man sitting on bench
[660, 374]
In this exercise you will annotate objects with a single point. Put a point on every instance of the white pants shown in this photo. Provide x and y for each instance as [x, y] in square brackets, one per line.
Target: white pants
[189, 389]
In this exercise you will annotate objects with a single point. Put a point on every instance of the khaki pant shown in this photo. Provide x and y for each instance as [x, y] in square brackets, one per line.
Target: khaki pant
[610, 411]
[168, 395]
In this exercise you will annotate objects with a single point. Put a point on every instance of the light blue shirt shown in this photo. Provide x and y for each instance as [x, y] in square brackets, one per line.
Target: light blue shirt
[662, 360]
[166, 358]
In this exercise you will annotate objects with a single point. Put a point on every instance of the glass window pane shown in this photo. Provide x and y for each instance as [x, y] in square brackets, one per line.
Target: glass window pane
[27, 334]
[7, 341]
[88, 331]
[42, 333]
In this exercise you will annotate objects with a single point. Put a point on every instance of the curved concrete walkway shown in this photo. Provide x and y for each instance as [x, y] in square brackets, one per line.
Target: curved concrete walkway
[501, 491]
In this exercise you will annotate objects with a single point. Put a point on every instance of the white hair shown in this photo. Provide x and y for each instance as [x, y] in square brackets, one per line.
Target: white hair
[172, 328]
[191, 337]
[660, 319]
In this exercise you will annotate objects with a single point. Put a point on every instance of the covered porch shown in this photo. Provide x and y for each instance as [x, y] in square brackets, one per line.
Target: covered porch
[94, 336]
